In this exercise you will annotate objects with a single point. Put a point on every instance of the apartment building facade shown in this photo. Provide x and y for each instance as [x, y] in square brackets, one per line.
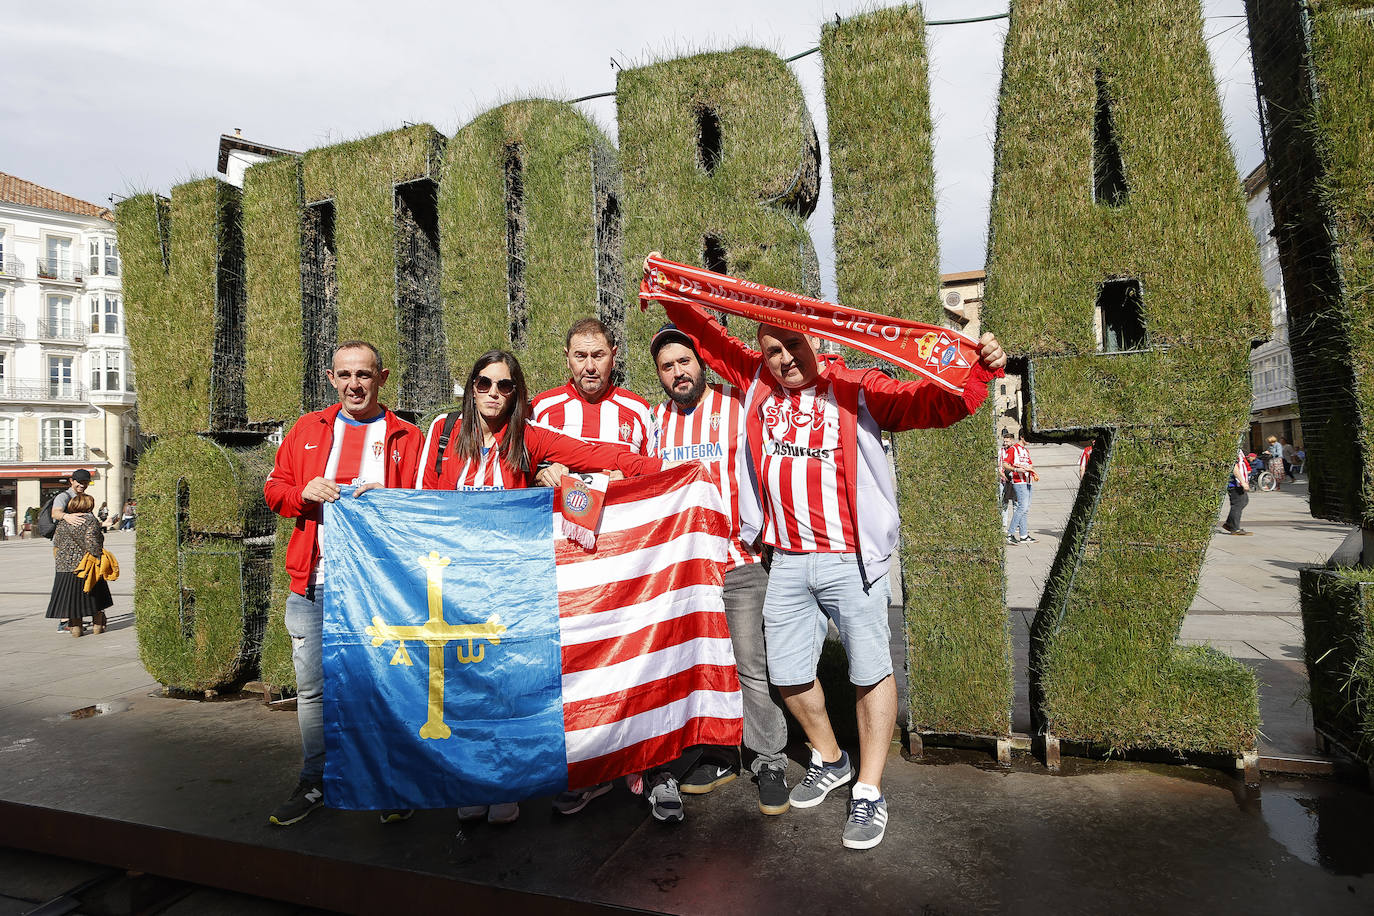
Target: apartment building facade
[66, 382]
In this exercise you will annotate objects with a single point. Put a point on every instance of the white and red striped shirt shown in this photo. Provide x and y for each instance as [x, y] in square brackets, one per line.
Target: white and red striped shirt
[802, 472]
[355, 457]
[712, 433]
[483, 474]
[1017, 453]
[619, 417]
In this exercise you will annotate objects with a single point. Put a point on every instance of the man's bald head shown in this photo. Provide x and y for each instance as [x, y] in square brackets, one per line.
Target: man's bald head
[790, 355]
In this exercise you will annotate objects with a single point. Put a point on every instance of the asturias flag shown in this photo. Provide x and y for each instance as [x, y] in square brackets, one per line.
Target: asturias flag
[472, 656]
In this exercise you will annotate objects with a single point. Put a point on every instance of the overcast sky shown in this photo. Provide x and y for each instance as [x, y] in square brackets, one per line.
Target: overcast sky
[133, 96]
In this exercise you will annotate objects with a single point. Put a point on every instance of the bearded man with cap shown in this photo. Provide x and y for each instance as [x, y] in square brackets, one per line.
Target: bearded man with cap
[704, 421]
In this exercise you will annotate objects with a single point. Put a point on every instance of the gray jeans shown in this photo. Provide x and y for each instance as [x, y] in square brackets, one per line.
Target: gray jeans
[305, 623]
[765, 730]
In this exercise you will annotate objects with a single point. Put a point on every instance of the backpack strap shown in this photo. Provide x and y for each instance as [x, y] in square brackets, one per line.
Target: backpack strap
[450, 421]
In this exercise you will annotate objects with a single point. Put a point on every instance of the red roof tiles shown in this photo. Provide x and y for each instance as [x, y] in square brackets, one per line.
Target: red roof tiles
[18, 191]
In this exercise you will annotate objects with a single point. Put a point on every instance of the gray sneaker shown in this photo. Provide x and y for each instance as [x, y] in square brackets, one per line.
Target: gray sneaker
[665, 802]
[867, 823]
[820, 778]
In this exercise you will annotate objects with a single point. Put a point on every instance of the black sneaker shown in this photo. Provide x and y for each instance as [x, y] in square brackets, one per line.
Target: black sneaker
[1028, 540]
[705, 777]
[773, 796]
[572, 801]
[1013, 540]
[307, 797]
[664, 801]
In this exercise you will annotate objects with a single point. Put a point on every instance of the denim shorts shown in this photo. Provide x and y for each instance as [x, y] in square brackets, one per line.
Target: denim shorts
[806, 589]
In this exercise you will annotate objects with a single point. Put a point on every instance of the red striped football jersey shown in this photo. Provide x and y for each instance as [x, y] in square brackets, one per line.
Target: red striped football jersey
[355, 456]
[712, 433]
[802, 472]
[1017, 453]
[620, 417]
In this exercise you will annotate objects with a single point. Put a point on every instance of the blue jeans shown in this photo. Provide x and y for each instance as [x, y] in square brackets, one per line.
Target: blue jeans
[305, 624]
[804, 589]
[1020, 526]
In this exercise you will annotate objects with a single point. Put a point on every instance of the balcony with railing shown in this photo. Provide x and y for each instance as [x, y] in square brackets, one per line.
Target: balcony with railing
[61, 451]
[64, 269]
[11, 266]
[11, 327]
[42, 390]
[11, 451]
[61, 329]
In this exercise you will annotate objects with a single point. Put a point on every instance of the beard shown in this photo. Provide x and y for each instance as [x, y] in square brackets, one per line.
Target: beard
[691, 396]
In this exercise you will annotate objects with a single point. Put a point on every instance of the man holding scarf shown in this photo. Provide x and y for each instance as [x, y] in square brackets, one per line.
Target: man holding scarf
[829, 509]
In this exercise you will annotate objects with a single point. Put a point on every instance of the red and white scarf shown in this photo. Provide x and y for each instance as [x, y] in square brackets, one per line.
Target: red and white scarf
[944, 356]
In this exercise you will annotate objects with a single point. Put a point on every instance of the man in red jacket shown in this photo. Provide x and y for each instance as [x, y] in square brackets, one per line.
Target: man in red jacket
[358, 442]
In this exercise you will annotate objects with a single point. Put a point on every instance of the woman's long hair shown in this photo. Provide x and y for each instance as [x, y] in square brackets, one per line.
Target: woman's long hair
[512, 448]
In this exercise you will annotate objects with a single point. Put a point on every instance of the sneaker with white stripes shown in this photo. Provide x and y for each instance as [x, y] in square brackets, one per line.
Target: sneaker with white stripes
[867, 823]
[820, 778]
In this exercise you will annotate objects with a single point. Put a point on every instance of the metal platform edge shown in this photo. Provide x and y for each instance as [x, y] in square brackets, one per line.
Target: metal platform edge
[281, 874]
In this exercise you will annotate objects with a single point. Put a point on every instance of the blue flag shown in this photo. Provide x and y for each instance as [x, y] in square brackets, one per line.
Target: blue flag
[442, 677]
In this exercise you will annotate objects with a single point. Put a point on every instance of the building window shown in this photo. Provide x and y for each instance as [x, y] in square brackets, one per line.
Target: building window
[61, 321]
[111, 314]
[9, 443]
[4, 362]
[102, 256]
[104, 313]
[107, 370]
[61, 439]
[57, 261]
[61, 380]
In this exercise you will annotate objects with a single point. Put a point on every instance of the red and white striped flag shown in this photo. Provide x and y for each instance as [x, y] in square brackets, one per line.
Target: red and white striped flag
[648, 669]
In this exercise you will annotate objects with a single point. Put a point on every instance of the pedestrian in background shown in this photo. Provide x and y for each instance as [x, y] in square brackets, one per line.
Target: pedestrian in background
[1016, 461]
[77, 535]
[1238, 491]
[1275, 451]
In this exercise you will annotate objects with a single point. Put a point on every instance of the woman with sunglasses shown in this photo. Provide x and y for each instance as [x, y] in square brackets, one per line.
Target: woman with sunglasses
[495, 446]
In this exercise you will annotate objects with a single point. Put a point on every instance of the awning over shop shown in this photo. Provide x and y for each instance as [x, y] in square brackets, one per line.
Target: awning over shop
[48, 473]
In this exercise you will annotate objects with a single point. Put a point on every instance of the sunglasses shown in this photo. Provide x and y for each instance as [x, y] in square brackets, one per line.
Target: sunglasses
[483, 384]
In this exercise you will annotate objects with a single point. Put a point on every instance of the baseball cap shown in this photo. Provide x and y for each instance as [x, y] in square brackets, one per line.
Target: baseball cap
[670, 333]
[81, 475]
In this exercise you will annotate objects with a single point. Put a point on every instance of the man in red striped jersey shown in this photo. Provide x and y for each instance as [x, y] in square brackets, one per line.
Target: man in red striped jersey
[704, 422]
[356, 442]
[589, 407]
[829, 508]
